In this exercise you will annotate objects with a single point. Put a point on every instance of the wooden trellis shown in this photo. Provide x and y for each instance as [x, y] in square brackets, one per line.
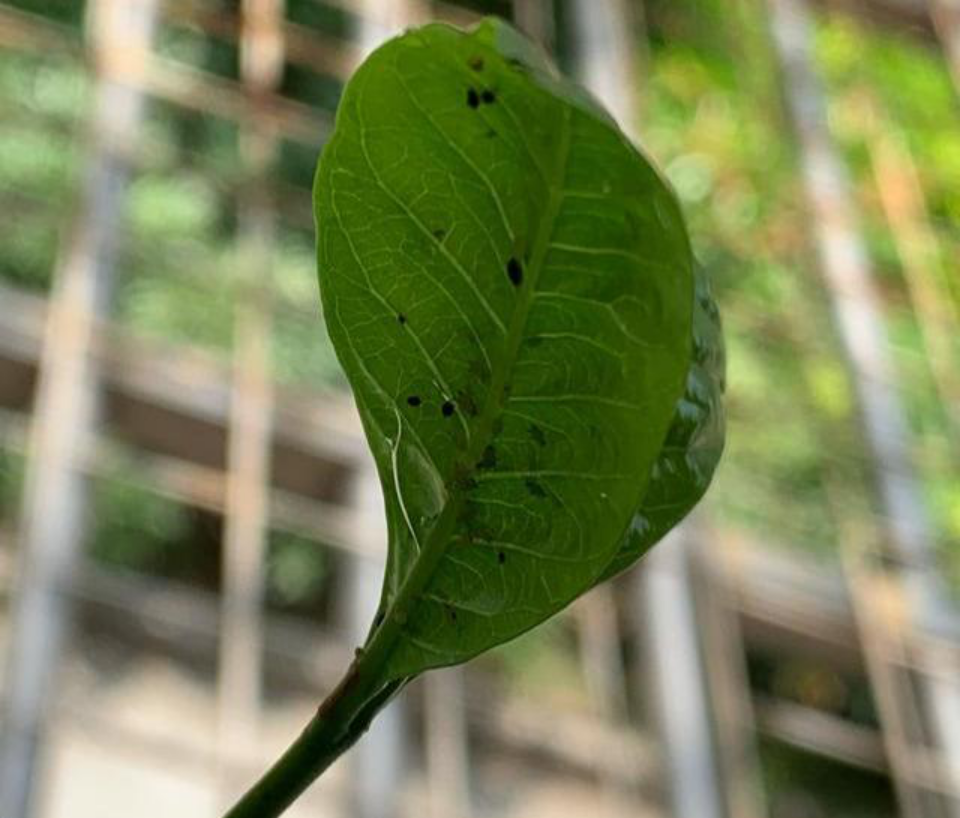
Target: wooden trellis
[226, 438]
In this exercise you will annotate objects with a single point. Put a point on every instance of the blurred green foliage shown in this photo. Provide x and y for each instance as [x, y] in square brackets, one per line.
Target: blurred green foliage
[11, 484]
[297, 569]
[803, 785]
[712, 119]
[133, 528]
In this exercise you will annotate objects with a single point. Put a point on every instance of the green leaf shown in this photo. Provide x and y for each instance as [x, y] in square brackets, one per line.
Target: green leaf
[694, 443]
[508, 284]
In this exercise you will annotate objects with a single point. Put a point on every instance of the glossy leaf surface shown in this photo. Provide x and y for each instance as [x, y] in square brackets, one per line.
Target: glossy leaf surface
[694, 443]
[508, 284]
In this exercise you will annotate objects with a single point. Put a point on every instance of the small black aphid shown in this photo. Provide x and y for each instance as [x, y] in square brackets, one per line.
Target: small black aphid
[488, 96]
[515, 272]
[414, 400]
[501, 557]
[473, 98]
[401, 318]
[447, 408]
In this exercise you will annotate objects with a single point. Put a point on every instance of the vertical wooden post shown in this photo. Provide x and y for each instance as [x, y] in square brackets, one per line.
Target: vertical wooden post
[447, 747]
[879, 612]
[604, 672]
[377, 761]
[855, 302]
[724, 659]
[607, 57]
[247, 514]
[946, 18]
[678, 678]
[902, 199]
[66, 408]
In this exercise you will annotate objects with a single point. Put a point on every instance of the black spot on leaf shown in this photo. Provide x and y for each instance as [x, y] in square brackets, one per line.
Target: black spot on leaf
[473, 98]
[401, 318]
[488, 97]
[535, 489]
[448, 408]
[414, 400]
[451, 613]
[515, 272]
[439, 234]
[501, 557]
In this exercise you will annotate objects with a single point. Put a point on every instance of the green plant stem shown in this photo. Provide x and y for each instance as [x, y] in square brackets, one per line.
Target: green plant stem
[343, 717]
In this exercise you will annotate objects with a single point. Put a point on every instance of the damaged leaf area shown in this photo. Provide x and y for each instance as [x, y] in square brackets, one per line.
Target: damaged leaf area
[509, 286]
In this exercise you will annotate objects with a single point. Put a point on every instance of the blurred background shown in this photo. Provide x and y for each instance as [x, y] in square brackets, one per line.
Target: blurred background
[190, 532]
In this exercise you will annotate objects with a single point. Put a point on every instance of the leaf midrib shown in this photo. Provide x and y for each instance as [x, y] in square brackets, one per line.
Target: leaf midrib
[384, 639]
